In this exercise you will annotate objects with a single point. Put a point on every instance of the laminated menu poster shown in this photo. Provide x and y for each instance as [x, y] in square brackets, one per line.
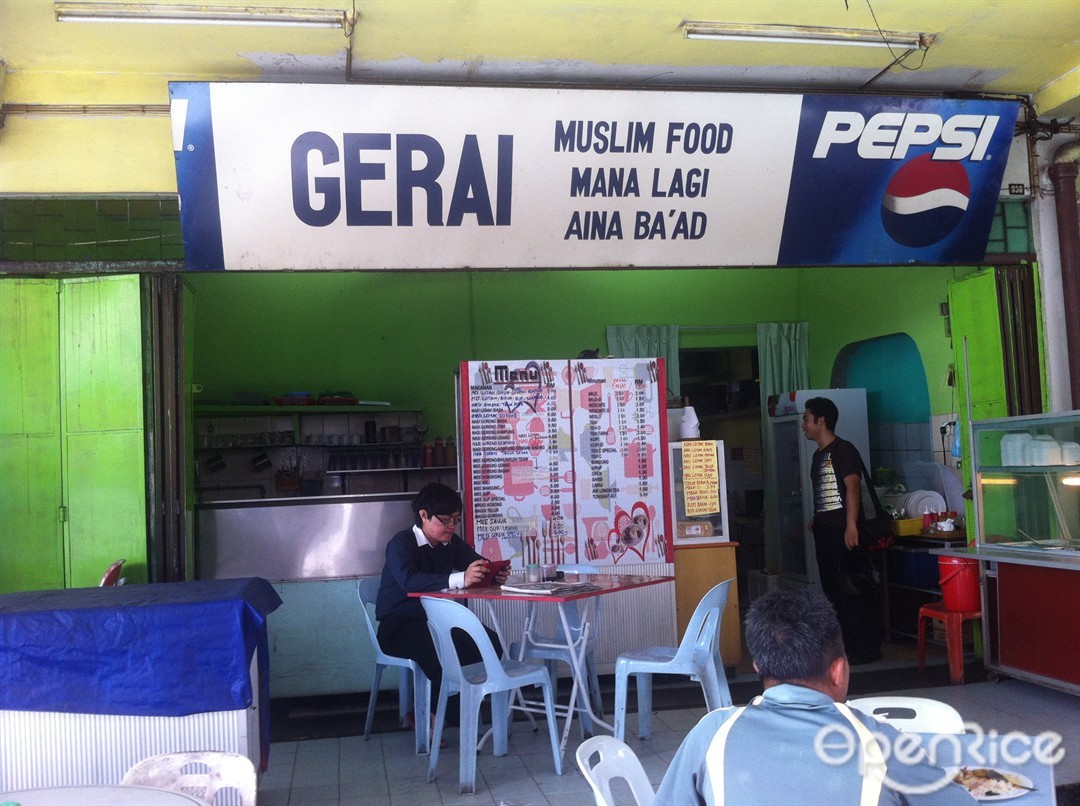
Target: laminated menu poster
[564, 460]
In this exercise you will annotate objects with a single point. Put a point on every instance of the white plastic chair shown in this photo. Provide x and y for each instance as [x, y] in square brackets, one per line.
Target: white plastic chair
[614, 760]
[911, 714]
[698, 655]
[198, 774]
[414, 688]
[475, 681]
[552, 655]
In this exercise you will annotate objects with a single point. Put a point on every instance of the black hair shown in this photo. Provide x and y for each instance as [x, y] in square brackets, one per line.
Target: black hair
[589, 353]
[436, 499]
[823, 407]
[793, 635]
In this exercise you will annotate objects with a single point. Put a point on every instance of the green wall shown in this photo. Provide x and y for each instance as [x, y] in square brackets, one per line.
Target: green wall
[398, 336]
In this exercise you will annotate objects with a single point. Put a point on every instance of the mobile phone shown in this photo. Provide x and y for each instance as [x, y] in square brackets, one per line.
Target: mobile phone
[494, 567]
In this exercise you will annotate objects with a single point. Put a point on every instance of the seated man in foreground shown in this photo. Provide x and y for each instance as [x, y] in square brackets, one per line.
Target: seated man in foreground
[798, 742]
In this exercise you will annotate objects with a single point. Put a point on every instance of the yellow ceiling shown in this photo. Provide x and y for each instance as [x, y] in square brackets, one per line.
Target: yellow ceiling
[1029, 47]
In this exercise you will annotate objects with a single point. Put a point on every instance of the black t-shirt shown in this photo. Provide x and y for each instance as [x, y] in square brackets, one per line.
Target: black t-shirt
[828, 469]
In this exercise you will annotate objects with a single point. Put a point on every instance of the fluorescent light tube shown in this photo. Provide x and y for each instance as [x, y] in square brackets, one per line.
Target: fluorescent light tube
[198, 15]
[804, 35]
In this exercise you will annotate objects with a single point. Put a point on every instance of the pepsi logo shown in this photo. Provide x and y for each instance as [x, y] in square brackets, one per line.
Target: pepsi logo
[924, 201]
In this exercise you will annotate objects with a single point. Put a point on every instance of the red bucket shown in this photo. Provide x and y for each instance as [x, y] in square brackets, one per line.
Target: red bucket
[959, 578]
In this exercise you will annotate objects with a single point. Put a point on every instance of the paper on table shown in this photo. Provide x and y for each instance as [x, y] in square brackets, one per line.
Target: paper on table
[551, 587]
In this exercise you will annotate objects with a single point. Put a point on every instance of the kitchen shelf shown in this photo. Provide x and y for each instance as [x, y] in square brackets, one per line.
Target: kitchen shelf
[310, 442]
[359, 472]
[227, 410]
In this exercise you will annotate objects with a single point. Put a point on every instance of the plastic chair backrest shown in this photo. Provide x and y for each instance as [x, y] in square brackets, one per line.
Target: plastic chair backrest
[445, 615]
[615, 760]
[112, 575]
[198, 774]
[702, 634]
[367, 589]
[911, 714]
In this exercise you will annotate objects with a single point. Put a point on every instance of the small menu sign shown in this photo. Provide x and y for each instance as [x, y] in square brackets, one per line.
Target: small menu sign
[701, 478]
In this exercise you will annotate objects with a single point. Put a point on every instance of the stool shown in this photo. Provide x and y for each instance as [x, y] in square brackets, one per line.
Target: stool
[954, 636]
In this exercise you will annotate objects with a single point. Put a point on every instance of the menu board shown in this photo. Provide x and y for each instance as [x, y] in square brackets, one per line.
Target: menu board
[701, 478]
[698, 491]
[564, 462]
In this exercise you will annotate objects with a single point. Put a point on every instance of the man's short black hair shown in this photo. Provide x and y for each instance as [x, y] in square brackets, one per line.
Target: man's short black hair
[823, 407]
[436, 499]
[793, 635]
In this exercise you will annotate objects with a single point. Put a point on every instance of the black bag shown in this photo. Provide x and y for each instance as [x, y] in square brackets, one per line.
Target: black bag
[858, 574]
[875, 534]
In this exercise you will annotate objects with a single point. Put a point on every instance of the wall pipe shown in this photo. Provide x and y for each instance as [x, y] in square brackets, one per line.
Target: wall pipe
[1063, 172]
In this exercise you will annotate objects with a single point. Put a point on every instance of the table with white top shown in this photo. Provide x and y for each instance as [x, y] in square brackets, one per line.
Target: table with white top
[603, 584]
[99, 795]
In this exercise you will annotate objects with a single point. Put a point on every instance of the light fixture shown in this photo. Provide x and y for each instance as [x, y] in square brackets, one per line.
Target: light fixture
[804, 35]
[199, 15]
[1071, 481]
[992, 480]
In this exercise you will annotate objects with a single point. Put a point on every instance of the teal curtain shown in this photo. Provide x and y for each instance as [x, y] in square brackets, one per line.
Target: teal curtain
[648, 341]
[782, 362]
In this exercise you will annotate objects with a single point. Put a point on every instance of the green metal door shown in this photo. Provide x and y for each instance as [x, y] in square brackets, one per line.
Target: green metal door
[101, 368]
[31, 532]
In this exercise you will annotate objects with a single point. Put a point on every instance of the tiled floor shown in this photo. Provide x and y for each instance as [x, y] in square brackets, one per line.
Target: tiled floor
[384, 770]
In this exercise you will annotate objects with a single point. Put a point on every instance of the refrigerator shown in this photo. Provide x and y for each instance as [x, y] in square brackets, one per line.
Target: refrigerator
[791, 455]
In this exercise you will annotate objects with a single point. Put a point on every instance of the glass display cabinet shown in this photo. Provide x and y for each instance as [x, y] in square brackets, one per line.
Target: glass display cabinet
[1026, 484]
[1027, 478]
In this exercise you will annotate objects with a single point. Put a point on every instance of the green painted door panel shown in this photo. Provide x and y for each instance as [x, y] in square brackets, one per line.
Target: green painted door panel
[31, 534]
[29, 362]
[102, 417]
[106, 505]
[973, 312]
[101, 344]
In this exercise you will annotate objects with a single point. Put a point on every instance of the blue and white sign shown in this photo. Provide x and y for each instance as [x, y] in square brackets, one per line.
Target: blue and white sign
[302, 176]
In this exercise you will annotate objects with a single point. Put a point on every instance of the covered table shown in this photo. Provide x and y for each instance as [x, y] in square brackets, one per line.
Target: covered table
[153, 666]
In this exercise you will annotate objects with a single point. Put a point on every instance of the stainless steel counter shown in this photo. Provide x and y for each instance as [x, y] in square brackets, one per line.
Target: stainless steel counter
[298, 539]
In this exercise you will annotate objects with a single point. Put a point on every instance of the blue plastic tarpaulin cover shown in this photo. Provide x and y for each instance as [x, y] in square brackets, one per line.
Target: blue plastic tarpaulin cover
[166, 649]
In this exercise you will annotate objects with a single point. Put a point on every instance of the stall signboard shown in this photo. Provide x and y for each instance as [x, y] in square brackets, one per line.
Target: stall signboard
[564, 461]
[313, 176]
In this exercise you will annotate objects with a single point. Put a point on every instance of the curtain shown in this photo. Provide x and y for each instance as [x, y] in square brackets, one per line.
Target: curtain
[648, 341]
[782, 362]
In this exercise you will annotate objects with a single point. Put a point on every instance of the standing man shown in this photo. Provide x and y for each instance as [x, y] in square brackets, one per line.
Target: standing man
[836, 479]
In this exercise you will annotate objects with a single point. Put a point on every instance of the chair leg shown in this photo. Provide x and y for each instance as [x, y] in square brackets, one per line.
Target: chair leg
[954, 645]
[436, 738]
[422, 711]
[404, 694]
[500, 721]
[372, 699]
[553, 728]
[594, 683]
[644, 705]
[620, 700]
[714, 686]
[921, 631]
[469, 705]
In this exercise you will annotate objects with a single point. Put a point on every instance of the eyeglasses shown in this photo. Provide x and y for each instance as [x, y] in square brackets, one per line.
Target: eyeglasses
[448, 520]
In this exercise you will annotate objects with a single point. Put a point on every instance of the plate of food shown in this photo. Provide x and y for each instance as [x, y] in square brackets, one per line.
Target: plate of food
[987, 783]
